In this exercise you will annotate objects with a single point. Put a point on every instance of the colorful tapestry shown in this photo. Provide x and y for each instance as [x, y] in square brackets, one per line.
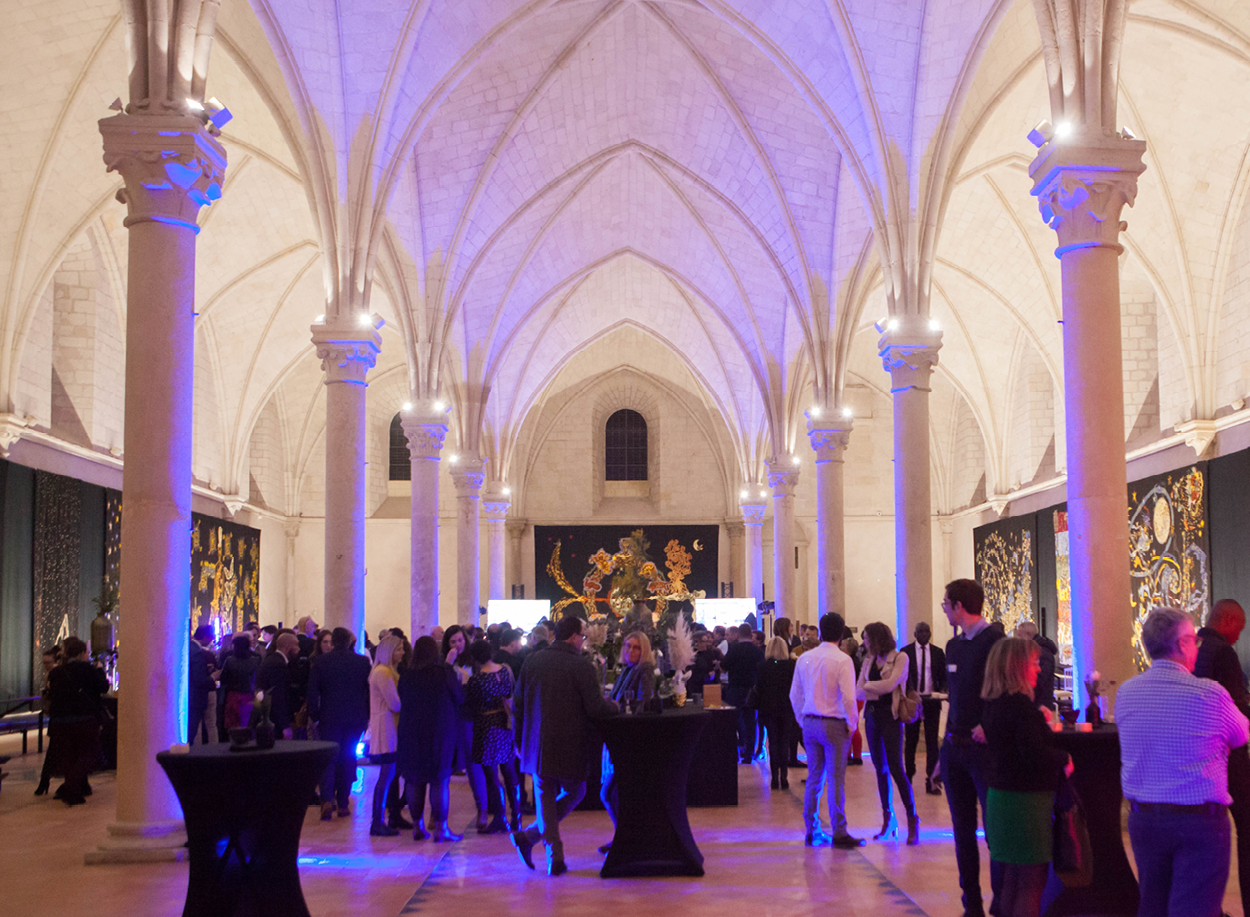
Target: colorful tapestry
[225, 574]
[1063, 587]
[1005, 553]
[1169, 548]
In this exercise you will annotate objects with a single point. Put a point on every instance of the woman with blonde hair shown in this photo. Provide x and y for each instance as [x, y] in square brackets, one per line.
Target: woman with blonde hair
[772, 703]
[1024, 769]
[883, 670]
[635, 683]
[383, 723]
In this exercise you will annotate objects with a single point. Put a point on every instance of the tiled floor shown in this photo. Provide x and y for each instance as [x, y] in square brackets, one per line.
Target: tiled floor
[754, 857]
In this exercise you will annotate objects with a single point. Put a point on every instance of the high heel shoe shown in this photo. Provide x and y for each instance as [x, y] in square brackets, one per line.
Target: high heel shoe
[785, 779]
[913, 829]
[418, 830]
[889, 828]
[42, 789]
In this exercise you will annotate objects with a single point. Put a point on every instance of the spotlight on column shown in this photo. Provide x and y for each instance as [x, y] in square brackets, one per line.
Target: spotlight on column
[1127, 134]
[814, 411]
[407, 405]
[933, 325]
[218, 113]
[507, 491]
[440, 406]
[745, 494]
[453, 458]
[796, 460]
[1063, 130]
[848, 413]
[893, 324]
[320, 319]
[195, 105]
[1041, 134]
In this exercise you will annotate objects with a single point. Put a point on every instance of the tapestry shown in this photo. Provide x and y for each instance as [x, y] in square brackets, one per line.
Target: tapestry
[1005, 554]
[57, 560]
[616, 564]
[225, 574]
[1063, 588]
[1169, 548]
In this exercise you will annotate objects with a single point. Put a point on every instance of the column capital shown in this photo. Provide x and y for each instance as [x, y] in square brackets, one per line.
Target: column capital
[347, 349]
[1082, 184]
[468, 476]
[829, 439]
[909, 351]
[753, 513]
[516, 527]
[495, 508]
[425, 426]
[734, 528]
[783, 476]
[291, 527]
[170, 162]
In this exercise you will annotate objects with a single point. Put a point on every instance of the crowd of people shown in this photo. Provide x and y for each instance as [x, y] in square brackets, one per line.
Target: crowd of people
[498, 705]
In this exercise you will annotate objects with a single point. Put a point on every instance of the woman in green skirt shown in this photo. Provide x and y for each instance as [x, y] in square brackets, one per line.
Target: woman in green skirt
[1023, 776]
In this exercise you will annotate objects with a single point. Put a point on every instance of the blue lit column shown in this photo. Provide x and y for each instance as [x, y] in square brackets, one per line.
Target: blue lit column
[829, 440]
[425, 425]
[1081, 186]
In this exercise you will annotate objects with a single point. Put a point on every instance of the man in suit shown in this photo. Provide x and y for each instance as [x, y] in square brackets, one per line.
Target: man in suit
[200, 686]
[274, 679]
[1218, 661]
[338, 699]
[1044, 693]
[555, 703]
[926, 675]
[741, 665]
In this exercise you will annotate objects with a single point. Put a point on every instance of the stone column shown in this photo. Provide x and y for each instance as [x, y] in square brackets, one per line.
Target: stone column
[753, 561]
[172, 167]
[1082, 186]
[348, 346]
[829, 440]
[735, 530]
[516, 561]
[783, 477]
[291, 529]
[909, 351]
[425, 425]
[468, 477]
[496, 506]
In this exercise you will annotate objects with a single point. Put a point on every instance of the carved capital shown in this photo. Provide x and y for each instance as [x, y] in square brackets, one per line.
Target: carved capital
[998, 503]
[233, 502]
[909, 354]
[1082, 186]
[469, 476]
[425, 425]
[829, 439]
[1199, 434]
[734, 529]
[496, 510]
[291, 527]
[753, 513]
[11, 426]
[783, 477]
[347, 350]
[516, 528]
[171, 164]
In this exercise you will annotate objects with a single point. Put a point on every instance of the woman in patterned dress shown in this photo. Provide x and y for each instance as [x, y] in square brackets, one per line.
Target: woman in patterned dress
[488, 695]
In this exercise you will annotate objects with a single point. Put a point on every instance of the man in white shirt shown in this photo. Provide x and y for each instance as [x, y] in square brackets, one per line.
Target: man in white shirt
[823, 697]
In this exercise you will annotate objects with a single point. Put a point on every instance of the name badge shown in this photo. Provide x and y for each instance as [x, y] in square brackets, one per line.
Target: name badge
[950, 667]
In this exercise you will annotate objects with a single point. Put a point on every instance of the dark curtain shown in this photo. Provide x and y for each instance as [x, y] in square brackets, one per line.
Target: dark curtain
[91, 563]
[1230, 534]
[57, 551]
[1047, 588]
[17, 655]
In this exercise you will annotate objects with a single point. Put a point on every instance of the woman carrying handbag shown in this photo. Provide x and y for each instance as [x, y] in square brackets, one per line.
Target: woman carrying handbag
[884, 669]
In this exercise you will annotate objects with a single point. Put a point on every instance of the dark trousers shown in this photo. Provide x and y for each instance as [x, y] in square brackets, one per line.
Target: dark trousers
[779, 739]
[336, 781]
[736, 697]
[885, 744]
[498, 789]
[440, 799]
[1182, 862]
[195, 720]
[965, 773]
[554, 799]
[931, 716]
[1239, 788]
[382, 789]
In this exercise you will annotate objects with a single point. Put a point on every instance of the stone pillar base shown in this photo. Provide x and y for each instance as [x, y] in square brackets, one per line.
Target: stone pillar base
[155, 842]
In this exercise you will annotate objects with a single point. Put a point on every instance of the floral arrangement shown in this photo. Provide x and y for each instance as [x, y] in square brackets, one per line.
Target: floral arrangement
[1093, 690]
[681, 655]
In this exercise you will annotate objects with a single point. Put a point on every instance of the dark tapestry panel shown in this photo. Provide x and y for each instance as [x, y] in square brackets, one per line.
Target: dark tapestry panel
[17, 490]
[1005, 553]
[1229, 477]
[579, 543]
[225, 574]
[1047, 575]
[57, 559]
[1169, 547]
[113, 537]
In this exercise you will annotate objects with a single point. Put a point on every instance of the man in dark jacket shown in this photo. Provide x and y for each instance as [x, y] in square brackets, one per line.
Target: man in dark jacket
[200, 685]
[926, 675]
[509, 652]
[74, 690]
[555, 702]
[338, 699]
[1044, 693]
[741, 664]
[274, 679]
[1218, 661]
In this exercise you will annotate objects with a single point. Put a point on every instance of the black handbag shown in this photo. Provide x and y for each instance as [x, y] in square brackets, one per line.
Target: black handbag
[1072, 857]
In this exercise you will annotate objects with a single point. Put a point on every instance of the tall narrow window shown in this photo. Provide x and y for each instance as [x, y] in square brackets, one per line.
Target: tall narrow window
[401, 462]
[625, 443]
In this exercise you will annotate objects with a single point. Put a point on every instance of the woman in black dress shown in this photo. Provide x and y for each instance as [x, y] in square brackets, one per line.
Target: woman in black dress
[488, 695]
[430, 697]
[772, 691]
[884, 669]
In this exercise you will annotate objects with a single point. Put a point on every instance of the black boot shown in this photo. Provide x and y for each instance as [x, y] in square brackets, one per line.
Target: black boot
[776, 782]
[785, 779]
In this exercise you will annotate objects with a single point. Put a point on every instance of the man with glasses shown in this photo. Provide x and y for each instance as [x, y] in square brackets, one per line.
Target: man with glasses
[964, 758]
[1176, 732]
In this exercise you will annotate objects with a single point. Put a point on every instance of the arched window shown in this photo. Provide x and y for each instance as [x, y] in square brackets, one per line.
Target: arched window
[401, 462]
[625, 442]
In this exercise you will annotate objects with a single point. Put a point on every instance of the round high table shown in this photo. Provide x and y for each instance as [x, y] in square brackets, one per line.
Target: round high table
[1096, 775]
[651, 754]
[244, 811]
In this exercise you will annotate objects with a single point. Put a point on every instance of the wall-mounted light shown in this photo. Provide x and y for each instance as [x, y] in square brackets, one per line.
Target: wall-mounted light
[933, 325]
[320, 319]
[796, 460]
[1063, 130]
[439, 406]
[745, 494]
[407, 405]
[1041, 134]
[507, 491]
[892, 324]
[848, 413]
[1127, 134]
[453, 458]
[814, 411]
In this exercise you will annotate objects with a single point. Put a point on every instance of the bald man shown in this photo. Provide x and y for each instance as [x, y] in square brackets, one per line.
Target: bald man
[1044, 693]
[1218, 661]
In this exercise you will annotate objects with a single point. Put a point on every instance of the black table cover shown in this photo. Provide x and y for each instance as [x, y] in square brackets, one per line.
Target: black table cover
[1096, 758]
[651, 754]
[244, 812]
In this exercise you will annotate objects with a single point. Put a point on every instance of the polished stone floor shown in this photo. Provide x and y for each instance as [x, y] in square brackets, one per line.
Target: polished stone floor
[755, 860]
